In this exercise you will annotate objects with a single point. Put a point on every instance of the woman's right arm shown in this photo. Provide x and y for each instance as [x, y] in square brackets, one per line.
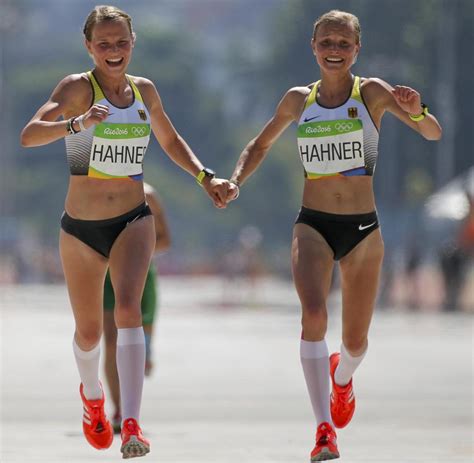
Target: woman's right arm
[67, 99]
[288, 110]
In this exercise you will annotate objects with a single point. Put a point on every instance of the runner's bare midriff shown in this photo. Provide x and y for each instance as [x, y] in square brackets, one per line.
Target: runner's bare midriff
[340, 195]
[96, 199]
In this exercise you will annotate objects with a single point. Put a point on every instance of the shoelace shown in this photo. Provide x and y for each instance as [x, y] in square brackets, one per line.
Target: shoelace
[130, 426]
[325, 435]
[97, 418]
[342, 407]
[343, 393]
[323, 439]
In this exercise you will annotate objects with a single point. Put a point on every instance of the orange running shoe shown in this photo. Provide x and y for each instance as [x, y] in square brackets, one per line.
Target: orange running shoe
[95, 425]
[326, 444]
[342, 397]
[133, 442]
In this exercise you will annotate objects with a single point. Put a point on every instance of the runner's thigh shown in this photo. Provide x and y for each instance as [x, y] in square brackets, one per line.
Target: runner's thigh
[129, 261]
[360, 271]
[312, 265]
[84, 270]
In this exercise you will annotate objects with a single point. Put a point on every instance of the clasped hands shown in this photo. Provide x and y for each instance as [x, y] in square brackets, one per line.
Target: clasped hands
[221, 191]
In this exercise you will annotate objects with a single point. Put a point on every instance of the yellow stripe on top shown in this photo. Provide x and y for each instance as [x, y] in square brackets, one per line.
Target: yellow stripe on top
[138, 96]
[98, 93]
[312, 176]
[356, 90]
[312, 96]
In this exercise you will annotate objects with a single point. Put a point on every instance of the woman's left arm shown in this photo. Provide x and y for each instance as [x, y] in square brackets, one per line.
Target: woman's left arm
[404, 102]
[176, 147]
[166, 134]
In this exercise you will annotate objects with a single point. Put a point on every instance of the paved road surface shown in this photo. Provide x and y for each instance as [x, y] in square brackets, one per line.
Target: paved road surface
[228, 386]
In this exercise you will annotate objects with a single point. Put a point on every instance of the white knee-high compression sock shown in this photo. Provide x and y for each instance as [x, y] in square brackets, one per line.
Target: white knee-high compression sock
[88, 366]
[347, 366]
[315, 361]
[131, 369]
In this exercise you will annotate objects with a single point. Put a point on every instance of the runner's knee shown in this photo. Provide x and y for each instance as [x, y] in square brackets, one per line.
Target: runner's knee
[355, 344]
[315, 317]
[128, 315]
[87, 337]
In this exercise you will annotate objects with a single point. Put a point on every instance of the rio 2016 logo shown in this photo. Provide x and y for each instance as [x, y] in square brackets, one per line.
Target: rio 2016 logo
[318, 129]
[343, 126]
[138, 131]
[116, 131]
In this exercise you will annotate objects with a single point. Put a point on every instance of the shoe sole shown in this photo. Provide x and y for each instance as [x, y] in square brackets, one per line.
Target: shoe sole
[96, 445]
[134, 448]
[325, 454]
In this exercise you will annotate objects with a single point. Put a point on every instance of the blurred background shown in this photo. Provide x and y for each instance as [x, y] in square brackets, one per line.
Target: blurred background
[221, 66]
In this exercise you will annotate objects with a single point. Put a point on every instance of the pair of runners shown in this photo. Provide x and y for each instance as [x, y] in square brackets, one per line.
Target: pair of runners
[107, 118]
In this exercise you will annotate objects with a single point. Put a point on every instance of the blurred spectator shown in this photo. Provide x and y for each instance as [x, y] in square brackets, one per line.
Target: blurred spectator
[455, 256]
[412, 274]
[242, 268]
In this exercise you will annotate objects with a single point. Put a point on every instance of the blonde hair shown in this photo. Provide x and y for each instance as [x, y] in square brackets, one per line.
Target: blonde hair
[340, 18]
[105, 13]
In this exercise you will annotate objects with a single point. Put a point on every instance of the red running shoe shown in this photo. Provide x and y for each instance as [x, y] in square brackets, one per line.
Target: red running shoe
[342, 397]
[133, 442]
[326, 444]
[95, 425]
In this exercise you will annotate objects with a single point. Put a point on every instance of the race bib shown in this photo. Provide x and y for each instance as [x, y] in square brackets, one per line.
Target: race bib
[118, 150]
[331, 147]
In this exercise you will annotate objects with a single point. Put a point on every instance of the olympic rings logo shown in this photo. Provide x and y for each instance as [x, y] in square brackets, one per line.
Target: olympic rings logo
[343, 126]
[138, 131]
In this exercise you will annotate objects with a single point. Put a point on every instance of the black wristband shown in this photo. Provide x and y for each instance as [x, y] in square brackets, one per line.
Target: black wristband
[73, 119]
[70, 126]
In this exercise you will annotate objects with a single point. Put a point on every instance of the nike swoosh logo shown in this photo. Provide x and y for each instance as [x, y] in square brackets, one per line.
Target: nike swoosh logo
[307, 119]
[363, 227]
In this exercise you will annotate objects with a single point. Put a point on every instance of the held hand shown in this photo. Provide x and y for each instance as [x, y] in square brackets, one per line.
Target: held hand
[217, 189]
[95, 115]
[232, 192]
[408, 99]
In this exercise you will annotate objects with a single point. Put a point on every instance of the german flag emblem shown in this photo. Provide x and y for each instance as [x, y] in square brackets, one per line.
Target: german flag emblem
[352, 112]
[142, 114]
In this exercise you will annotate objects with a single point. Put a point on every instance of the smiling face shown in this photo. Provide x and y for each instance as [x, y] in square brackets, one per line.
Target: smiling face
[335, 46]
[111, 45]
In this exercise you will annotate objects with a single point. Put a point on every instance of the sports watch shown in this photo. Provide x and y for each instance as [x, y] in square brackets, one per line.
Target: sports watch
[203, 174]
[420, 117]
